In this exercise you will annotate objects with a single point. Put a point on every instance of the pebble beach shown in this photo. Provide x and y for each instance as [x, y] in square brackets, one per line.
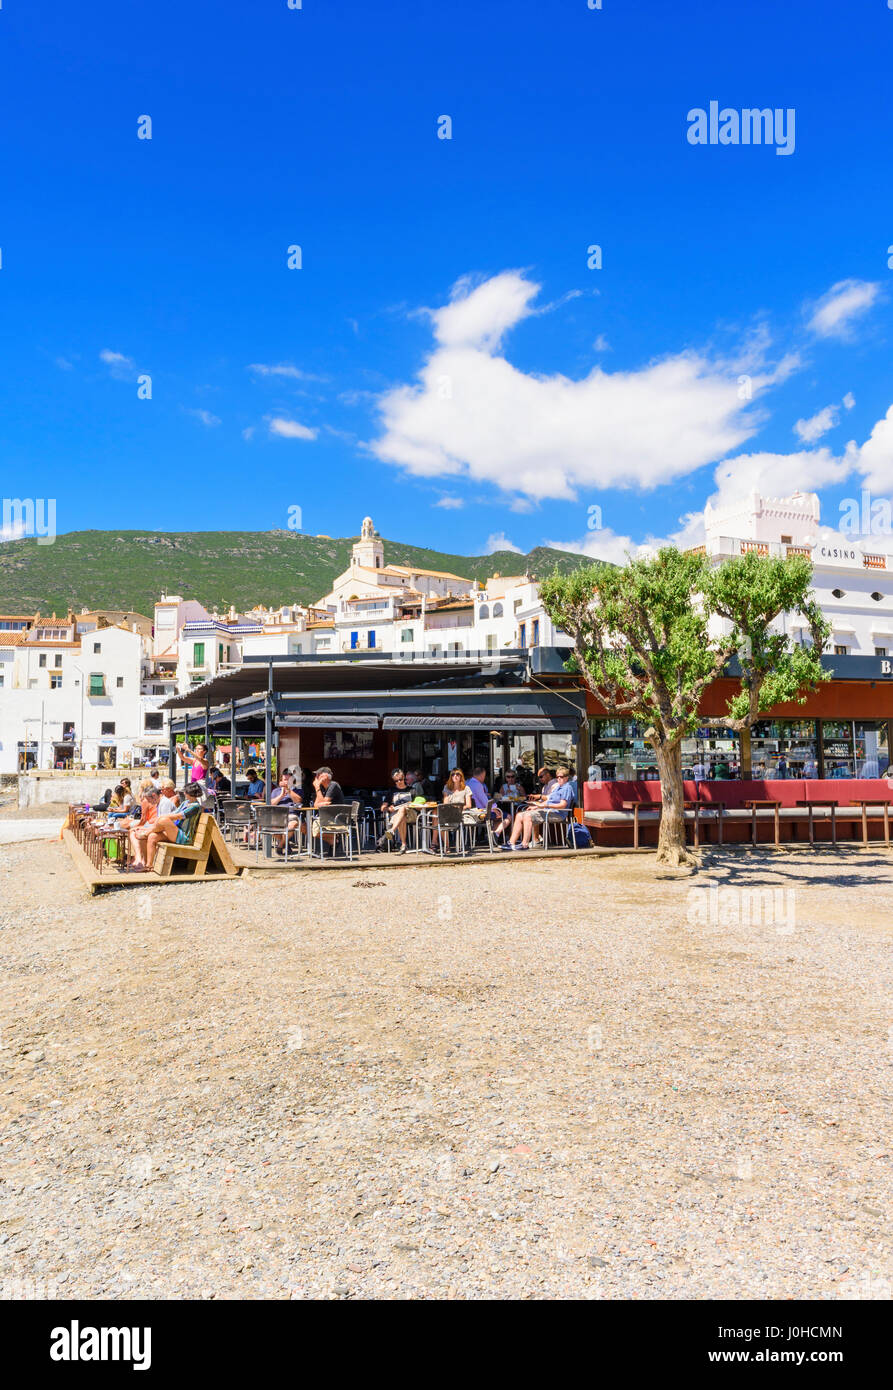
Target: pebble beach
[508, 1080]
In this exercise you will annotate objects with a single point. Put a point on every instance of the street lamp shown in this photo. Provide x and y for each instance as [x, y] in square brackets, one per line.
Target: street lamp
[83, 678]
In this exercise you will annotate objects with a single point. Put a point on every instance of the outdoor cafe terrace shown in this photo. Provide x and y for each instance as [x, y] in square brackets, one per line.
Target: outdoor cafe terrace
[365, 714]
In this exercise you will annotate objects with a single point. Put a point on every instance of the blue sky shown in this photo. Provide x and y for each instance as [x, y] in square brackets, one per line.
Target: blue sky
[534, 388]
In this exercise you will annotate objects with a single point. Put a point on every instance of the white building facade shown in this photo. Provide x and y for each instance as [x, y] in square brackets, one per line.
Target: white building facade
[69, 699]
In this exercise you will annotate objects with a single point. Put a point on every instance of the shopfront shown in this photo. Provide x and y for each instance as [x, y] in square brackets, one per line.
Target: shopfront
[842, 729]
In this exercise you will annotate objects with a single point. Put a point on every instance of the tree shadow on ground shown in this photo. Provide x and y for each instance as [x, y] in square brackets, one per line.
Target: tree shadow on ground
[825, 866]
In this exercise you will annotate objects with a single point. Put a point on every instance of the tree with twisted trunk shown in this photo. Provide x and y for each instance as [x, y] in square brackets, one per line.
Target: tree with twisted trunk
[652, 635]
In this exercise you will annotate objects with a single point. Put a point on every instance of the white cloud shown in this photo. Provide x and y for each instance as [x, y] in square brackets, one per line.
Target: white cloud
[64, 364]
[500, 541]
[812, 429]
[450, 504]
[13, 531]
[874, 459]
[289, 429]
[282, 369]
[473, 413]
[778, 475]
[824, 420]
[206, 417]
[478, 317]
[601, 344]
[833, 314]
[604, 544]
[120, 366]
[248, 432]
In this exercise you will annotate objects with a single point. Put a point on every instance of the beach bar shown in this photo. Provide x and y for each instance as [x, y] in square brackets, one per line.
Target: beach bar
[364, 714]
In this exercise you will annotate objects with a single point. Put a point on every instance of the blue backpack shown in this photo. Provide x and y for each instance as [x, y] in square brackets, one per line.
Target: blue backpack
[582, 837]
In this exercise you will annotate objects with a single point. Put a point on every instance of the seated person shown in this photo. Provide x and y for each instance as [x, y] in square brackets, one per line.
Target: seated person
[546, 779]
[285, 795]
[168, 800]
[558, 802]
[326, 792]
[511, 789]
[481, 798]
[455, 793]
[418, 782]
[121, 803]
[175, 827]
[255, 788]
[139, 832]
[403, 814]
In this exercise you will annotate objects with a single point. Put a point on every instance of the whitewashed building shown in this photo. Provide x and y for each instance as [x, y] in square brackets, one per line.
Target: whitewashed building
[68, 698]
[852, 578]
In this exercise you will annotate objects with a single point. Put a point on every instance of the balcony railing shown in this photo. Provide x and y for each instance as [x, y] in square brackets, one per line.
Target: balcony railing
[754, 548]
[798, 550]
[874, 562]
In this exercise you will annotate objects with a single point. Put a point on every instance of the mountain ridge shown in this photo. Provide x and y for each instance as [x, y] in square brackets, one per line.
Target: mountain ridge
[124, 569]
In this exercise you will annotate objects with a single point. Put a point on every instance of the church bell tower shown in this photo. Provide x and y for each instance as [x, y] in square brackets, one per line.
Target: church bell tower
[368, 550]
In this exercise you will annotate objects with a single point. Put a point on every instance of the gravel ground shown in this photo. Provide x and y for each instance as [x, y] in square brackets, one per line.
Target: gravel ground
[52, 810]
[605, 1083]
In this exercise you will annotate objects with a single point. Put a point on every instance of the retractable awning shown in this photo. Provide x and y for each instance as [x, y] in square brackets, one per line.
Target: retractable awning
[502, 723]
[333, 720]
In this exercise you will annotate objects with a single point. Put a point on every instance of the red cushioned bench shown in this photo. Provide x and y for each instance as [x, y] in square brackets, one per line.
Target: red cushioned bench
[608, 811]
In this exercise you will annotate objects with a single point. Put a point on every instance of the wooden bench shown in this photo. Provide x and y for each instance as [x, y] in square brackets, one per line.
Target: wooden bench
[207, 854]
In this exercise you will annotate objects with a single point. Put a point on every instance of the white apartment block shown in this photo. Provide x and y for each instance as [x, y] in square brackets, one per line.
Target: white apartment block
[852, 579]
[68, 697]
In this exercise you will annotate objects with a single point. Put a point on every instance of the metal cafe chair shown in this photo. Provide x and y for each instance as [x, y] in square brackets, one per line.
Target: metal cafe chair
[451, 821]
[338, 822]
[358, 826]
[271, 822]
[553, 819]
[494, 843]
[369, 824]
[236, 816]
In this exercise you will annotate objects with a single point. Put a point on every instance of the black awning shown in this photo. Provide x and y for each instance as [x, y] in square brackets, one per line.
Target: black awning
[498, 723]
[333, 720]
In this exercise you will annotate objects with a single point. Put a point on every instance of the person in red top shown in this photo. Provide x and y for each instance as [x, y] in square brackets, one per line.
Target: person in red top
[143, 828]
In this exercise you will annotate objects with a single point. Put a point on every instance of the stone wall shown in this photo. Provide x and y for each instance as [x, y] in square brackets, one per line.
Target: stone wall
[39, 789]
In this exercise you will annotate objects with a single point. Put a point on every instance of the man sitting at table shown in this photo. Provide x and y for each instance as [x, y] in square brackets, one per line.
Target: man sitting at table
[398, 801]
[285, 795]
[477, 785]
[326, 792]
[255, 789]
[557, 804]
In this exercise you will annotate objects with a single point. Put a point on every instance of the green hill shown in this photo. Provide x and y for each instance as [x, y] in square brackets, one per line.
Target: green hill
[130, 569]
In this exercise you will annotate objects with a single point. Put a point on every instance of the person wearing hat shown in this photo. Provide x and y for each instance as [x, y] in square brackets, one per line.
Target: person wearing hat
[327, 792]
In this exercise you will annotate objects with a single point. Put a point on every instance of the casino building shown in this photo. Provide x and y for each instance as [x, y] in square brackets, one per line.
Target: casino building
[844, 728]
